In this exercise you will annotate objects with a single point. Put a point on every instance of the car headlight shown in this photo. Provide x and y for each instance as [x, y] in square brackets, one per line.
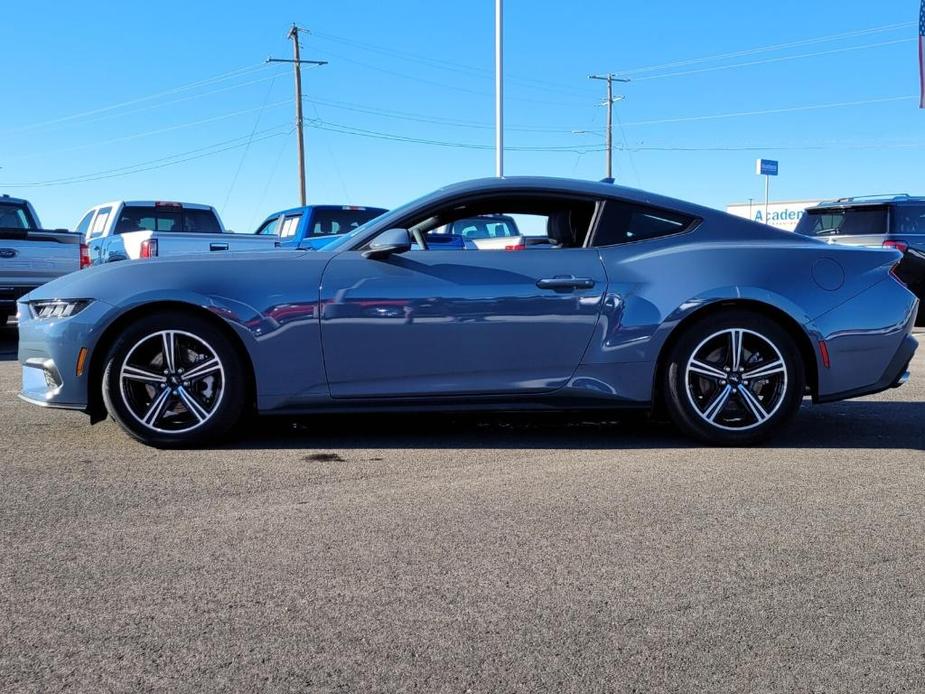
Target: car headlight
[58, 308]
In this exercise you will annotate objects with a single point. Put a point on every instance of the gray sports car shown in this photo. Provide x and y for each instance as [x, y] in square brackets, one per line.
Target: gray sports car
[622, 299]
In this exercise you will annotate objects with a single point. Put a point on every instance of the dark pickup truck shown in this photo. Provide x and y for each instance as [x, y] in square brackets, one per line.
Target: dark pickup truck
[893, 221]
[31, 256]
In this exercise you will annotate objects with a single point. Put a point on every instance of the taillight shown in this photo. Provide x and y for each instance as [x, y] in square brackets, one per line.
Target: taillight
[516, 247]
[900, 246]
[84, 256]
[148, 248]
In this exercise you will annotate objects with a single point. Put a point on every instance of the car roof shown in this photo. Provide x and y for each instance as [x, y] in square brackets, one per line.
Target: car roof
[871, 201]
[15, 201]
[152, 203]
[294, 210]
[565, 186]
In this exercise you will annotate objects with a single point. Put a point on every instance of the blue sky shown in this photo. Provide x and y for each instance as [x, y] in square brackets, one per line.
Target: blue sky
[172, 100]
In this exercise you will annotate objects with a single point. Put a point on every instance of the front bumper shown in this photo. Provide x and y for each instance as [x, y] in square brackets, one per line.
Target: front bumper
[48, 351]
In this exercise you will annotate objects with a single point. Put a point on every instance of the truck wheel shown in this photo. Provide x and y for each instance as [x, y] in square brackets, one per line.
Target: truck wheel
[173, 380]
[734, 379]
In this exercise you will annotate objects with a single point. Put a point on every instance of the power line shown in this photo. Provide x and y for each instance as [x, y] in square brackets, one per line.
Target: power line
[779, 59]
[165, 103]
[444, 85]
[448, 65]
[239, 72]
[170, 160]
[771, 48]
[376, 134]
[247, 147]
[156, 131]
[418, 118]
[790, 109]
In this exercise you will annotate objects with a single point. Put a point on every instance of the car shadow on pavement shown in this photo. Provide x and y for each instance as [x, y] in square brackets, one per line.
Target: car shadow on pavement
[879, 424]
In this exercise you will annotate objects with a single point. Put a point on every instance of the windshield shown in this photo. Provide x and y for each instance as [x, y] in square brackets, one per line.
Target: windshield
[15, 216]
[848, 221]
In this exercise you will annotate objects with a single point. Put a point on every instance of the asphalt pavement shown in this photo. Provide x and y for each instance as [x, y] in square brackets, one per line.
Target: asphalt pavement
[431, 553]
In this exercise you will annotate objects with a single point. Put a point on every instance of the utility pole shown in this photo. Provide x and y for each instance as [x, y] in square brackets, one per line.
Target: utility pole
[300, 136]
[609, 78]
[499, 89]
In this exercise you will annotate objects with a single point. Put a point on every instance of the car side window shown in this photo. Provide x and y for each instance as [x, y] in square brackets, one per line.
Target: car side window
[909, 219]
[289, 226]
[622, 222]
[85, 223]
[269, 227]
[99, 223]
[505, 222]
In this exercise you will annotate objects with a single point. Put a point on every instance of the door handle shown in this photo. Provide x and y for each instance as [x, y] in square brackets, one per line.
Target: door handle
[218, 246]
[559, 283]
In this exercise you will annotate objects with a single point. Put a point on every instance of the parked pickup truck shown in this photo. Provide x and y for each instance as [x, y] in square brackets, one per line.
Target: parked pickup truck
[129, 230]
[30, 256]
[315, 226]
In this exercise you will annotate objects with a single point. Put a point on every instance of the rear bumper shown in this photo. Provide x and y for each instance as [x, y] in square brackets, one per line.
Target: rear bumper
[895, 375]
[869, 341]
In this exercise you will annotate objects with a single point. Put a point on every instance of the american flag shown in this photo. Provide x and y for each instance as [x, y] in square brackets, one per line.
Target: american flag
[922, 53]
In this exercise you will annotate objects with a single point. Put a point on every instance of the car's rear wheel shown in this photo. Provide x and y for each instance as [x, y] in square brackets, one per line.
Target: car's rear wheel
[734, 379]
[174, 380]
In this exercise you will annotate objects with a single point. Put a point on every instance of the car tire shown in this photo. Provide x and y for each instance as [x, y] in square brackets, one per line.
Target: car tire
[734, 379]
[174, 380]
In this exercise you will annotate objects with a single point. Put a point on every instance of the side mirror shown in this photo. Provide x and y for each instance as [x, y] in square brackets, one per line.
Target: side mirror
[389, 242]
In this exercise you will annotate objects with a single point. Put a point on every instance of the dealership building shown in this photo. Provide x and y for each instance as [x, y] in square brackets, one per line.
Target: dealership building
[783, 215]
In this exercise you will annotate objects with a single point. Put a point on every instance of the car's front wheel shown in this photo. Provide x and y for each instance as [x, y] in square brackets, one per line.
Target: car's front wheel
[734, 379]
[174, 380]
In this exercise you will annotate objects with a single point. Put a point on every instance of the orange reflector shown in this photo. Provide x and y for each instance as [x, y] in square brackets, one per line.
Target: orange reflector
[824, 351]
[81, 360]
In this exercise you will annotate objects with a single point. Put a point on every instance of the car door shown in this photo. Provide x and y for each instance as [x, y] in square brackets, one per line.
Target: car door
[431, 323]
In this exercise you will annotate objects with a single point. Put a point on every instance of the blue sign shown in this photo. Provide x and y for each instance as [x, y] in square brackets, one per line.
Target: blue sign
[767, 167]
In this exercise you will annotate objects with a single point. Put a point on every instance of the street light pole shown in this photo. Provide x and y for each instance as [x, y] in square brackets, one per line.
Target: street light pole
[499, 89]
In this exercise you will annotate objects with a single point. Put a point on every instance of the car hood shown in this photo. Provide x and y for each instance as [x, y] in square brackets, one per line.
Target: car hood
[224, 273]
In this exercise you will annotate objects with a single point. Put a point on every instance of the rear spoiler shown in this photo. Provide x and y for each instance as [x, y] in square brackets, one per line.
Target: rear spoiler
[58, 235]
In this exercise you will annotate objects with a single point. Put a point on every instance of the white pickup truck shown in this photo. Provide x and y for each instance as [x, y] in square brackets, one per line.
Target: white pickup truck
[129, 230]
[29, 255]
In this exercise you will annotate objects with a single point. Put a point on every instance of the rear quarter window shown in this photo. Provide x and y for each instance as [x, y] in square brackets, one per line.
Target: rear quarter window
[621, 223]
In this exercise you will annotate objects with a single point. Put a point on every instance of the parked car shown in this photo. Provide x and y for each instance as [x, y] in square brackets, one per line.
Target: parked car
[129, 230]
[30, 255]
[315, 226]
[644, 302]
[894, 221]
